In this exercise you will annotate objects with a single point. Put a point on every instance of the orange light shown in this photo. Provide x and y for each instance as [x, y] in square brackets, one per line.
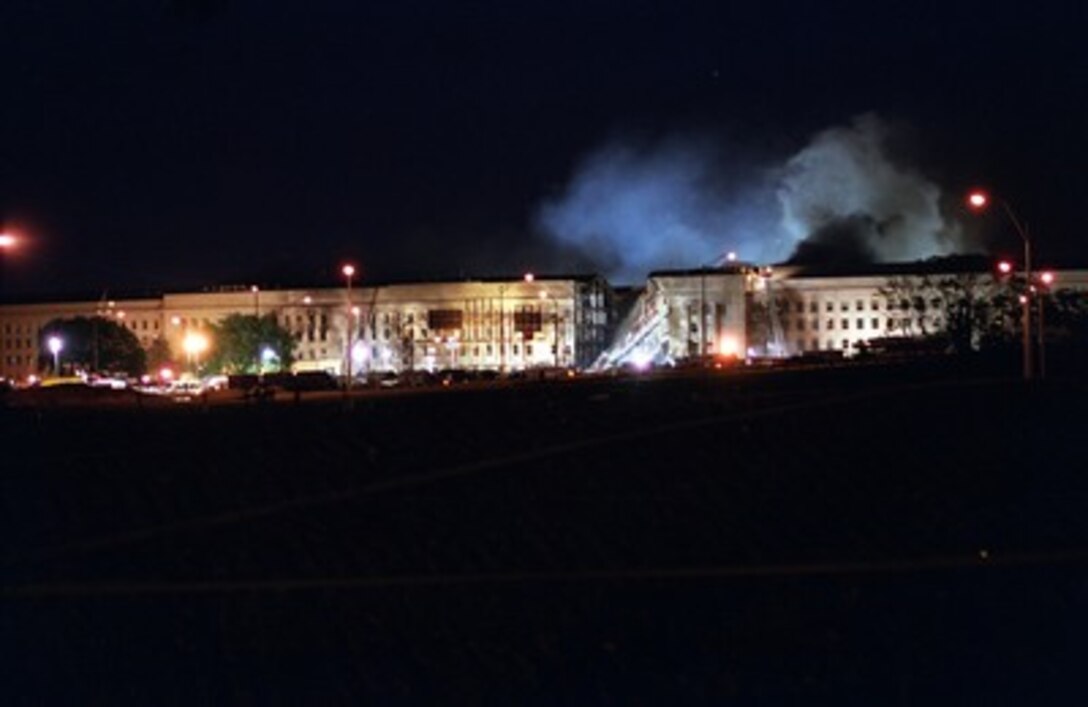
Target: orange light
[729, 346]
[166, 373]
[977, 200]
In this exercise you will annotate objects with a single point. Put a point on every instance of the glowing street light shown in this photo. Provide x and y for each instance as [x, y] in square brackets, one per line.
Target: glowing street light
[256, 300]
[1046, 281]
[55, 344]
[1004, 267]
[7, 241]
[268, 355]
[348, 270]
[978, 200]
[194, 344]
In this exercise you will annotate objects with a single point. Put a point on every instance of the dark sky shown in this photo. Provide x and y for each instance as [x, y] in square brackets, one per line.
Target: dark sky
[171, 143]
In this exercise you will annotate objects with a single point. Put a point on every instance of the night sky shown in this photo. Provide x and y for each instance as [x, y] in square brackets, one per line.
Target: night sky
[183, 143]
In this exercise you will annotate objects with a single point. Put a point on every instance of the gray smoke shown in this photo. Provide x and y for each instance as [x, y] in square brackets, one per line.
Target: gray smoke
[844, 199]
[635, 206]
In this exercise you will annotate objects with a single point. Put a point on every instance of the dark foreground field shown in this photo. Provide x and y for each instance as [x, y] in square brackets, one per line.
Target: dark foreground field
[866, 537]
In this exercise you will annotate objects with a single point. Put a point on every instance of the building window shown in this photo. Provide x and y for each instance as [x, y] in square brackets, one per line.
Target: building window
[515, 349]
[874, 323]
[844, 306]
[830, 306]
[845, 323]
[861, 323]
[875, 305]
[813, 306]
[859, 305]
[845, 344]
[830, 324]
[815, 344]
[800, 307]
[528, 350]
[800, 325]
[815, 324]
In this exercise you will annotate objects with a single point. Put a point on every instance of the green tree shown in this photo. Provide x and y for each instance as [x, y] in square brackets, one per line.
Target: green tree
[94, 344]
[159, 354]
[244, 343]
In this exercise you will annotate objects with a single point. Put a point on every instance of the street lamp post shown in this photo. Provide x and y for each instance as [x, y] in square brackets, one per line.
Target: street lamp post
[194, 344]
[502, 328]
[979, 200]
[348, 272]
[1046, 279]
[256, 300]
[55, 344]
[7, 242]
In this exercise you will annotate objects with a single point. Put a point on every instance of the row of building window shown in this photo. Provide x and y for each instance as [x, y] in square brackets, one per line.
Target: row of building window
[859, 323]
[874, 305]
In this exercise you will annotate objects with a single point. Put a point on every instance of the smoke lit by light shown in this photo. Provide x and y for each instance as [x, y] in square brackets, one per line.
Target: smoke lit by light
[634, 206]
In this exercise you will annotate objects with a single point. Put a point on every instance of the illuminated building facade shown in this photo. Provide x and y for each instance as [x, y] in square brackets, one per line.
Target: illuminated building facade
[498, 324]
[518, 324]
[784, 311]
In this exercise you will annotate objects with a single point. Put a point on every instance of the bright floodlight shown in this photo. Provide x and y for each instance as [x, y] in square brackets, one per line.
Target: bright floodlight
[195, 343]
[7, 240]
[729, 346]
[55, 345]
[731, 256]
[978, 200]
[529, 277]
[1047, 278]
[359, 352]
[267, 355]
[348, 270]
[1004, 267]
[254, 289]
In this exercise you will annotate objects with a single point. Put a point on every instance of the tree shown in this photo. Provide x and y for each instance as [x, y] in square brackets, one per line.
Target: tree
[94, 344]
[244, 343]
[964, 308]
[159, 354]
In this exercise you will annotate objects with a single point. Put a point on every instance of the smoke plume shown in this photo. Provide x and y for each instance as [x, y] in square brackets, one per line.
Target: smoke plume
[845, 200]
[635, 206]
